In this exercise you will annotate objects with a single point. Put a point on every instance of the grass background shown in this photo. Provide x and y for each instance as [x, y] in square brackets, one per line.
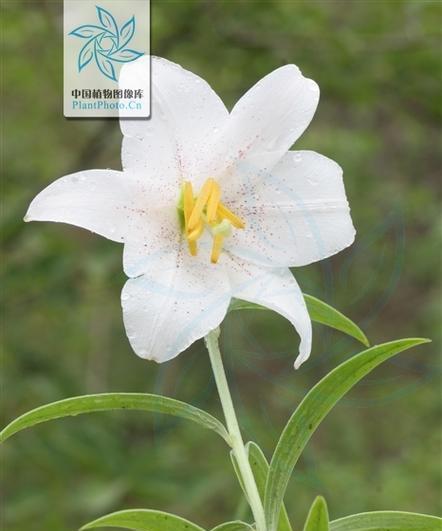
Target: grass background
[378, 64]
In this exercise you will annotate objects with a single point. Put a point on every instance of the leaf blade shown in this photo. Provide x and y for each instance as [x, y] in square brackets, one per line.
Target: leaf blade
[112, 401]
[260, 468]
[320, 312]
[235, 525]
[143, 520]
[313, 409]
[387, 520]
[323, 313]
[317, 518]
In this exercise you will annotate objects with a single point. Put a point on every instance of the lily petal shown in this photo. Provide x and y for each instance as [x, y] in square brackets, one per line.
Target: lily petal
[268, 118]
[161, 237]
[107, 202]
[295, 215]
[169, 146]
[178, 301]
[278, 290]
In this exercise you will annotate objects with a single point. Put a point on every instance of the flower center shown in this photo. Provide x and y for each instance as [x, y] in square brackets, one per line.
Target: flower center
[206, 211]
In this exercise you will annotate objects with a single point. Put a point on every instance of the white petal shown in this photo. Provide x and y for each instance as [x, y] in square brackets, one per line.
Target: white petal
[107, 202]
[295, 215]
[268, 118]
[278, 290]
[178, 301]
[161, 237]
[186, 112]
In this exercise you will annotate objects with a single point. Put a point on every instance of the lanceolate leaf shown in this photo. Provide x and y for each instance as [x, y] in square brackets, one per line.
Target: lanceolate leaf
[260, 468]
[327, 315]
[143, 520]
[387, 521]
[320, 312]
[317, 519]
[108, 401]
[312, 410]
[233, 526]
[238, 473]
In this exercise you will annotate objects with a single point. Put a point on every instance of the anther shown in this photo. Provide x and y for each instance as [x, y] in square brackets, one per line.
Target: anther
[216, 248]
[200, 203]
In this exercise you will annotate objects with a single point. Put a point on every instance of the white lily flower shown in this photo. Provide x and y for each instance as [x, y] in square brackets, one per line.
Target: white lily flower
[210, 205]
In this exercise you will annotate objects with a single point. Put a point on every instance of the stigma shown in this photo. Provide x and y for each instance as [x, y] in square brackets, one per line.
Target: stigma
[205, 211]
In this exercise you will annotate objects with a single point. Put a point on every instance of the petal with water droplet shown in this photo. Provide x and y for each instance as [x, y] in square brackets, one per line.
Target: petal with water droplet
[185, 111]
[278, 290]
[269, 118]
[187, 297]
[107, 202]
[295, 215]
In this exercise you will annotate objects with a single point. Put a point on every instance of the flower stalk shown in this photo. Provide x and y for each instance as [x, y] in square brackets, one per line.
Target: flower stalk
[236, 440]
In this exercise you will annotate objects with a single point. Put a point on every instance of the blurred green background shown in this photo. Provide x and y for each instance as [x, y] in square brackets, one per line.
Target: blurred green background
[378, 64]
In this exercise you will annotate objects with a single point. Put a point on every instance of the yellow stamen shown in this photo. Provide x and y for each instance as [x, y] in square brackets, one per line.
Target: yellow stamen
[188, 202]
[206, 211]
[193, 235]
[200, 203]
[225, 213]
[193, 247]
[212, 205]
[216, 248]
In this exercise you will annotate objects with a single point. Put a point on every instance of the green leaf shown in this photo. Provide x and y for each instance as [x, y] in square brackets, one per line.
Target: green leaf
[238, 472]
[317, 519]
[144, 520]
[320, 312]
[108, 401]
[233, 526]
[312, 410]
[387, 521]
[260, 468]
[325, 314]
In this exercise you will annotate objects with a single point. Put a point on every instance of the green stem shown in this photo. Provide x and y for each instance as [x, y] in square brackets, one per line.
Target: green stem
[236, 440]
